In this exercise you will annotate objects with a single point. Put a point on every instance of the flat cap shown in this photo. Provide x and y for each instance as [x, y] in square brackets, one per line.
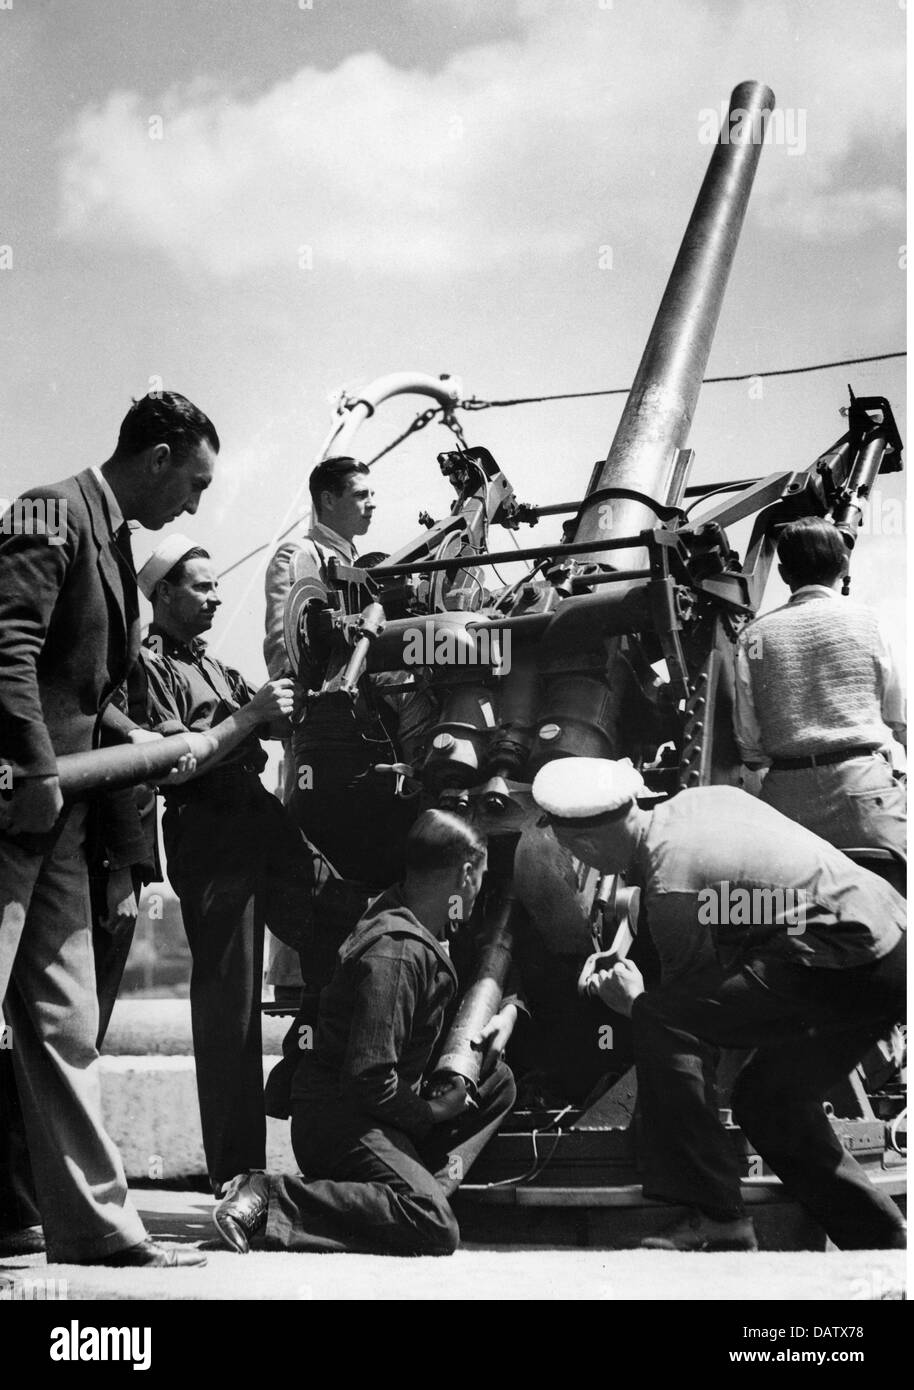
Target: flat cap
[582, 788]
[164, 558]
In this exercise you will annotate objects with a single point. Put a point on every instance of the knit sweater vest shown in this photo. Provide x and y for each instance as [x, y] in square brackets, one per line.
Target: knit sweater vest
[816, 681]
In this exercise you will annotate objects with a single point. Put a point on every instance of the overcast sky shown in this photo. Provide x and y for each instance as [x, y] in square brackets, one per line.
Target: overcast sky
[258, 203]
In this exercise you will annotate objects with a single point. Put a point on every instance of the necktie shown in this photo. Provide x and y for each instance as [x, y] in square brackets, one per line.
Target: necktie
[131, 598]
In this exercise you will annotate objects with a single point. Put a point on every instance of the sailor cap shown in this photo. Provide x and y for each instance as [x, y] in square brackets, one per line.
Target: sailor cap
[585, 788]
[162, 560]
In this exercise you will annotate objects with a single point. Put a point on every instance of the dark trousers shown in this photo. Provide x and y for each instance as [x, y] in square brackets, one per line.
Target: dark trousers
[349, 811]
[811, 1028]
[236, 861]
[378, 1192]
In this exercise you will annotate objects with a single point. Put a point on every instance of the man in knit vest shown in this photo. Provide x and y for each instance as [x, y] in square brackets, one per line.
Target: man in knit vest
[818, 700]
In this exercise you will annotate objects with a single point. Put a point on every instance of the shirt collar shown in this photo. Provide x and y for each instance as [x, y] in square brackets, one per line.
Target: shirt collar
[115, 515]
[814, 591]
[319, 532]
[173, 646]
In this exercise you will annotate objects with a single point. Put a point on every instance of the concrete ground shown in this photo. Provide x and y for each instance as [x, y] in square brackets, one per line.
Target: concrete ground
[475, 1272]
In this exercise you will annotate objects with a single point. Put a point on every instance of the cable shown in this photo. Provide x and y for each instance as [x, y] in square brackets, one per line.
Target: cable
[473, 404]
[426, 416]
[715, 492]
[538, 1164]
[258, 548]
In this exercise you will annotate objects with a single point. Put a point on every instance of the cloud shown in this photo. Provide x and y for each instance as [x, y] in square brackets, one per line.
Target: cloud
[839, 214]
[583, 131]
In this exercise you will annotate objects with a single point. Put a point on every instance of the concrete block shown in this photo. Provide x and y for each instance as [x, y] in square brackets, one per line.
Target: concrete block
[151, 1113]
[147, 1027]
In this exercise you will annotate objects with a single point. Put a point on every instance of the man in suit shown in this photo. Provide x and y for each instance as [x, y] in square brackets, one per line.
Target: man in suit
[69, 634]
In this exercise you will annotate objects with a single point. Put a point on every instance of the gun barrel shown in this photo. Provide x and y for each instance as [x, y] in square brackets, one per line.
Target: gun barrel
[658, 413]
[105, 769]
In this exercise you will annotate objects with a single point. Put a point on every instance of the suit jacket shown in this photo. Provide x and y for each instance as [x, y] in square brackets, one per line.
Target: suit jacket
[65, 646]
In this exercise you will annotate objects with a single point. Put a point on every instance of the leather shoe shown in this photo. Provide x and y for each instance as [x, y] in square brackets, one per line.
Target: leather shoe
[151, 1255]
[27, 1241]
[242, 1213]
[696, 1231]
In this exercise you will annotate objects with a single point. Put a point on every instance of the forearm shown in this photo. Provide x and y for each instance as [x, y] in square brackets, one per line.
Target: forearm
[390, 1101]
[116, 724]
[278, 583]
[32, 574]
[225, 738]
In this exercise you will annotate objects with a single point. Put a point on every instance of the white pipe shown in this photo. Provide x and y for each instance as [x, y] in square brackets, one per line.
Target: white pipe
[446, 390]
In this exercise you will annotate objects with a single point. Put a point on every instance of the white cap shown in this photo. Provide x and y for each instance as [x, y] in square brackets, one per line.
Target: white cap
[163, 559]
[577, 788]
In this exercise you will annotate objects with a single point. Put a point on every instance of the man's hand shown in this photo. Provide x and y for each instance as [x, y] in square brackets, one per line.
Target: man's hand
[121, 905]
[201, 747]
[183, 769]
[34, 806]
[617, 988]
[494, 1037]
[275, 700]
[448, 1097]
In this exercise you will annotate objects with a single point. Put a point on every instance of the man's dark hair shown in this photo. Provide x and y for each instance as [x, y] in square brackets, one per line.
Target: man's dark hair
[812, 551]
[176, 573]
[164, 417]
[439, 841]
[331, 475]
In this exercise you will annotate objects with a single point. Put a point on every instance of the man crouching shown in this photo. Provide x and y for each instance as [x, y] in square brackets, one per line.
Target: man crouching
[380, 1160]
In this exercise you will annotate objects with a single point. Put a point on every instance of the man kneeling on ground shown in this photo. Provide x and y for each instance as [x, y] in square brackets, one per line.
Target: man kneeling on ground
[380, 1160]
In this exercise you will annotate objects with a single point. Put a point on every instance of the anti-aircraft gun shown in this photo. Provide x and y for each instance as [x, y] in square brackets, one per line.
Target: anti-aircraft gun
[619, 641]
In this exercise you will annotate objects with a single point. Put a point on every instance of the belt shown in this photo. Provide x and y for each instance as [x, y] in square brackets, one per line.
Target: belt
[837, 755]
[223, 783]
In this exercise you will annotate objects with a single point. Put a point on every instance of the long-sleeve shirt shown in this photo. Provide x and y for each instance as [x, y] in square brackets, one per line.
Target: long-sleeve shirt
[296, 559]
[811, 677]
[189, 690]
[380, 1019]
[727, 878]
